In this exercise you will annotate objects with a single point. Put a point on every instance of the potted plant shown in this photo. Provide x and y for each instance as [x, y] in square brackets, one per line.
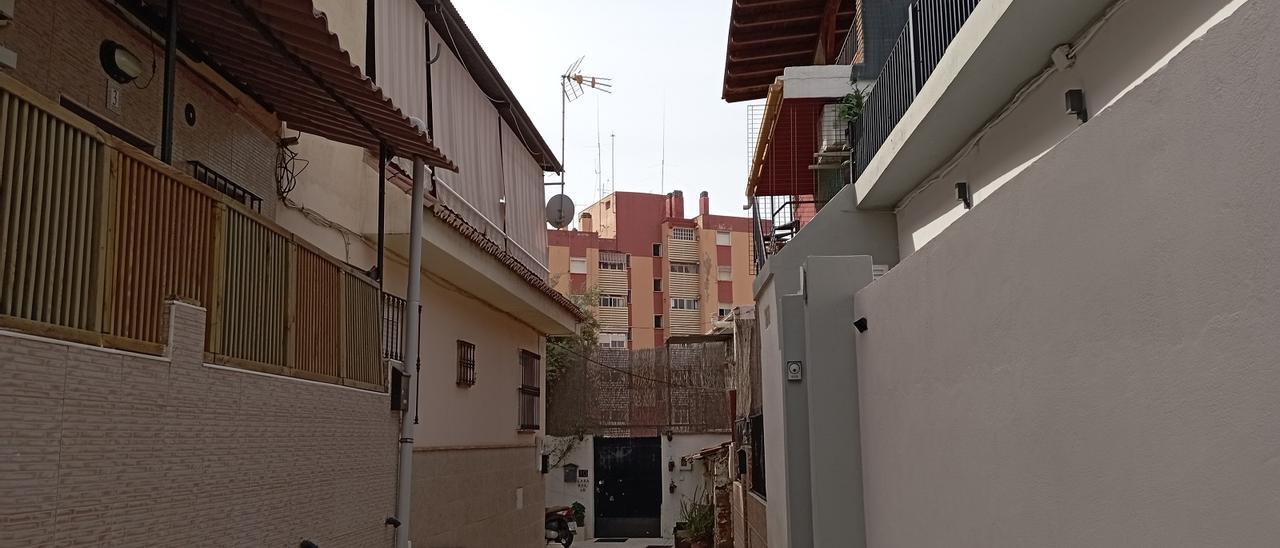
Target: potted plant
[851, 107]
[699, 520]
[580, 514]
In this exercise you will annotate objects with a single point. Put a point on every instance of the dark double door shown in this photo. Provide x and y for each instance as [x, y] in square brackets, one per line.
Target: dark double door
[628, 490]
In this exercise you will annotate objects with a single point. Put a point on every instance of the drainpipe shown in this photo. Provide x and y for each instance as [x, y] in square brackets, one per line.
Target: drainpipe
[382, 212]
[414, 330]
[170, 62]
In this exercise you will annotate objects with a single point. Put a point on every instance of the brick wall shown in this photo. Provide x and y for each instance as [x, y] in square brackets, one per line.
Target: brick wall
[57, 45]
[99, 447]
[468, 498]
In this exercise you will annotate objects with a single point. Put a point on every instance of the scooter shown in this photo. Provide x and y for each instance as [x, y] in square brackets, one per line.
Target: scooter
[560, 525]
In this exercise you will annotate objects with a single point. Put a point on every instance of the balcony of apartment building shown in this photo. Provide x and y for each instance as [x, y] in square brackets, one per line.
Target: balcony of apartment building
[97, 234]
[800, 142]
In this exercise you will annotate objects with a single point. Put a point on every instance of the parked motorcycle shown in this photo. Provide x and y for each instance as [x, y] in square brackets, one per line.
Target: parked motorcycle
[560, 525]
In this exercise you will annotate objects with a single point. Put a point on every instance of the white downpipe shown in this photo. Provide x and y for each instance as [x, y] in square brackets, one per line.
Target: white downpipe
[413, 329]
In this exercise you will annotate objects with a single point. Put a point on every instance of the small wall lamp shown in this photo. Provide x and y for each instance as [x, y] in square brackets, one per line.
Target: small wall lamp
[1076, 106]
[963, 195]
[860, 324]
[119, 63]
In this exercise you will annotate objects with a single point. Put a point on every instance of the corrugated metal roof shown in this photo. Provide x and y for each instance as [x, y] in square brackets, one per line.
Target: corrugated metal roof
[281, 51]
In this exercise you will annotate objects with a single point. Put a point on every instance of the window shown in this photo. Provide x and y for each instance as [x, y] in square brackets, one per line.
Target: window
[657, 321]
[724, 238]
[682, 233]
[657, 250]
[466, 363]
[757, 455]
[577, 265]
[613, 340]
[724, 273]
[684, 304]
[529, 389]
[684, 268]
[657, 284]
[612, 260]
[724, 311]
[613, 301]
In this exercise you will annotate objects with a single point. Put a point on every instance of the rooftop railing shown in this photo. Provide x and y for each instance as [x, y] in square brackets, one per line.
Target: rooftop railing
[95, 237]
[931, 26]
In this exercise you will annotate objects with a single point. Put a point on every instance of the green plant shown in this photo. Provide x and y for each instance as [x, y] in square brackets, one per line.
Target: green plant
[579, 512]
[563, 351]
[852, 104]
[698, 516]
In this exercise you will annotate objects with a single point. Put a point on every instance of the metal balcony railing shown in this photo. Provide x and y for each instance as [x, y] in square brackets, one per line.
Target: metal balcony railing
[931, 26]
[393, 322]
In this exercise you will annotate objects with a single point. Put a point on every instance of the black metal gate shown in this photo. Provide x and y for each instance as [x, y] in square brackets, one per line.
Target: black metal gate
[628, 487]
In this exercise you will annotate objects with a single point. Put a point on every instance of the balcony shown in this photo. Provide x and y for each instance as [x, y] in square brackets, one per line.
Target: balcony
[96, 235]
[931, 26]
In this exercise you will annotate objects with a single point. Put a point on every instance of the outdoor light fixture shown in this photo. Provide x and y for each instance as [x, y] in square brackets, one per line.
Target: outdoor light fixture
[119, 63]
[860, 324]
[1076, 106]
[963, 195]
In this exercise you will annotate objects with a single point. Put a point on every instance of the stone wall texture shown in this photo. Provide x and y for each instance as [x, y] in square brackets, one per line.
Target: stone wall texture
[106, 448]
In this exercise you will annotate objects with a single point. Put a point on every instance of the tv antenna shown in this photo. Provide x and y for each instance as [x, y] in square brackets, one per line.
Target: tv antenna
[573, 85]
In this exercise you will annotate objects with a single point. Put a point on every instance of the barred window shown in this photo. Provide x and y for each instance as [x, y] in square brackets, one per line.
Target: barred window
[682, 233]
[530, 370]
[466, 363]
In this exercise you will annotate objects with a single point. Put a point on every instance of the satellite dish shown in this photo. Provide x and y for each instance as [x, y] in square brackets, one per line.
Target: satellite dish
[559, 211]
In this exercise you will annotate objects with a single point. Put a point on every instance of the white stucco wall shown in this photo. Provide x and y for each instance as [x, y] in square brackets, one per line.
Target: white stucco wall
[688, 482]
[560, 493]
[1137, 37]
[1088, 358]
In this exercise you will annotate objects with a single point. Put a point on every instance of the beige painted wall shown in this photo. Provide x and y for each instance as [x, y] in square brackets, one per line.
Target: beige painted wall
[1087, 358]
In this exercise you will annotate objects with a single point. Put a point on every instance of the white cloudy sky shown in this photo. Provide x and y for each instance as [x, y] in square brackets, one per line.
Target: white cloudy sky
[657, 52]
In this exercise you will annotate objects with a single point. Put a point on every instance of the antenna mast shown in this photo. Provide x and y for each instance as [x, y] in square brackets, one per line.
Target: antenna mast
[571, 84]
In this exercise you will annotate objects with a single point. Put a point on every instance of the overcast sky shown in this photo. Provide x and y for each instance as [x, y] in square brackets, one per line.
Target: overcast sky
[657, 52]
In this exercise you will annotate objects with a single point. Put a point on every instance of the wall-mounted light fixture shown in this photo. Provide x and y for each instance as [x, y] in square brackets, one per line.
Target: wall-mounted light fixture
[119, 63]
[860, 324]
[1076, 106]
[963, 195]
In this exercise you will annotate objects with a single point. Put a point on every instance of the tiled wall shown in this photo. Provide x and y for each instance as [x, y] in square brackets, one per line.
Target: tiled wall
[100, 447]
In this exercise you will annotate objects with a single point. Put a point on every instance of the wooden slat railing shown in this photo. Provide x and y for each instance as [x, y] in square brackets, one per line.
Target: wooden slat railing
[53, 176]
[95, 236]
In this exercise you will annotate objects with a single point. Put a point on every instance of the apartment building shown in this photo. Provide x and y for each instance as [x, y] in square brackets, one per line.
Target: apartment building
[1056, 188]
[658, 273]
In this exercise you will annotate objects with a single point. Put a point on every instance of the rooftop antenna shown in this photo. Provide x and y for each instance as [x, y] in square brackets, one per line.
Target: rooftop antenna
[599, 158]
[560, 208]
[662, 173]
[613, 161]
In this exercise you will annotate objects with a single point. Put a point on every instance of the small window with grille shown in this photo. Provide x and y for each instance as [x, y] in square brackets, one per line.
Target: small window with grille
[613, 301]
[530, 390]
[466, 363]
[682, 233]
[684, 268]
[613, 260]
[684, 304]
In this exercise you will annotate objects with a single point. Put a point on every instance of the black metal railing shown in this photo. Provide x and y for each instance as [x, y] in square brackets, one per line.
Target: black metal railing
[530, 391]
[221, 183]
[931, 26]
[393, 319]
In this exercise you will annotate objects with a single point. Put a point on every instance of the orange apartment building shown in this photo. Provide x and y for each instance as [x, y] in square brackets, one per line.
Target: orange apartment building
[658, 273]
